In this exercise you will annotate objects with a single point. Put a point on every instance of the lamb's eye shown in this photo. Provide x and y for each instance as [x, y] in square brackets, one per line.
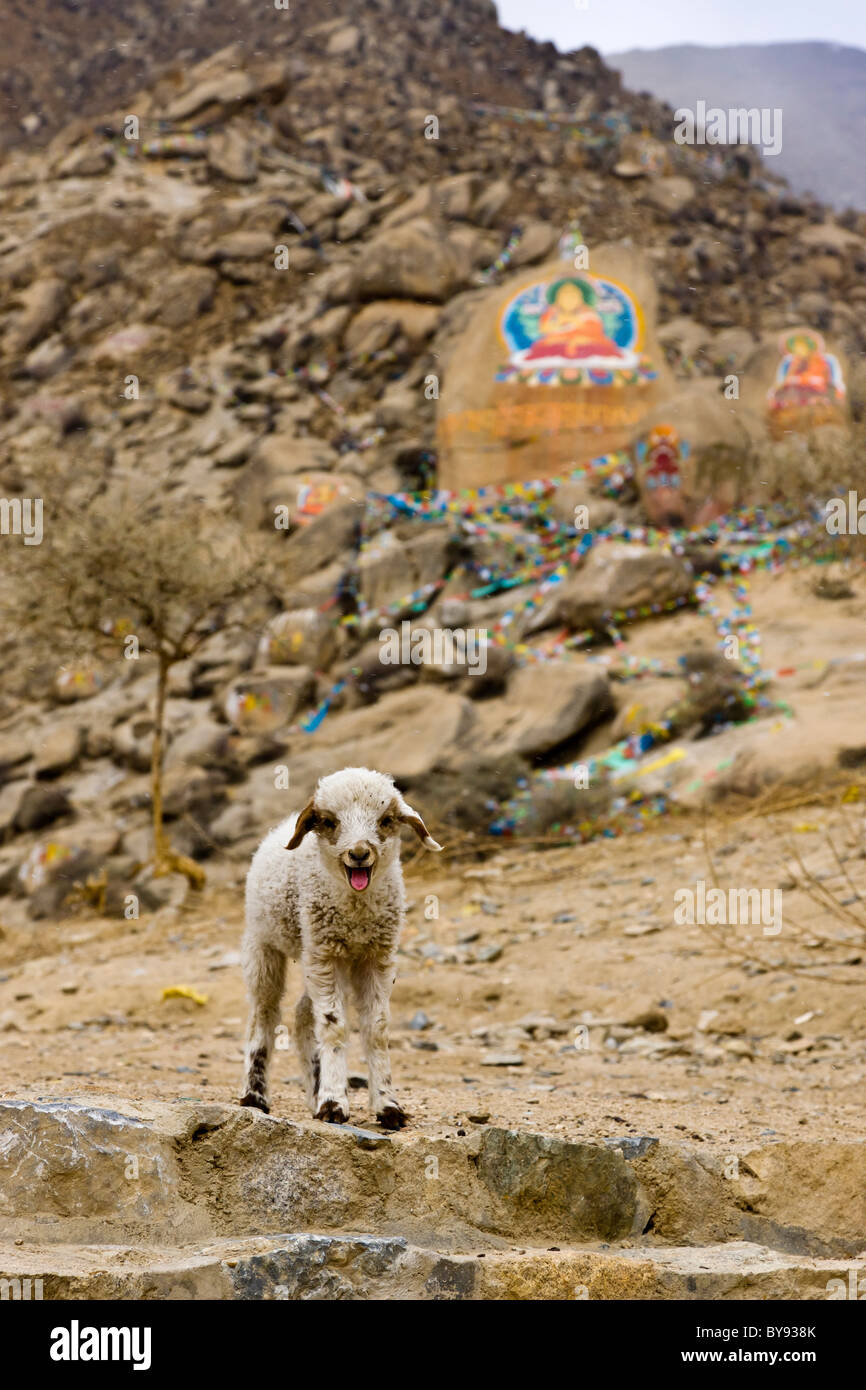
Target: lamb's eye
[328, 823]
[387, 823]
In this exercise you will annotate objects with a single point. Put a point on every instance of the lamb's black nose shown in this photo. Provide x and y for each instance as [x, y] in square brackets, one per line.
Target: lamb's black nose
[359, 855]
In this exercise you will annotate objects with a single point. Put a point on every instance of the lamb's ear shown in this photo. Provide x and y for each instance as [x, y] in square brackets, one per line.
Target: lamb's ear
[306, 822]
[410, 817]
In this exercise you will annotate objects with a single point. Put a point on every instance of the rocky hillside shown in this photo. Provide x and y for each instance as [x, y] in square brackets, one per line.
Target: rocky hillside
[81, 56]
[242, 295]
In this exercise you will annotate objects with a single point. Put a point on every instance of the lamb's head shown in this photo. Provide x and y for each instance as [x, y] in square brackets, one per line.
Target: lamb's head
[356, 817]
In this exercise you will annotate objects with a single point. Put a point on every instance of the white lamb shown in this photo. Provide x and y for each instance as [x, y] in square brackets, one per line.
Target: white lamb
[337, 903]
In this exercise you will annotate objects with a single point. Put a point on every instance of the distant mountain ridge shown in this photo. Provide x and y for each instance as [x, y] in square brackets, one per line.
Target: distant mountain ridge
[820, 88]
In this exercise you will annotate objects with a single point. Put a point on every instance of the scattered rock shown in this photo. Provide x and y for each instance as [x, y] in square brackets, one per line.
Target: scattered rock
[546, 705]
[41, 804]
[412, 261]
[620, 578]
[58, 751]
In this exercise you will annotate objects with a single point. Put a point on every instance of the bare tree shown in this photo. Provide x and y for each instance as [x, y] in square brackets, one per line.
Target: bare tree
[123, 567]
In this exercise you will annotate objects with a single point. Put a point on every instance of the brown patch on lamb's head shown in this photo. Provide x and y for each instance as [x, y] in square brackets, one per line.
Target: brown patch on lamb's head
[307, 821]
[408, 816]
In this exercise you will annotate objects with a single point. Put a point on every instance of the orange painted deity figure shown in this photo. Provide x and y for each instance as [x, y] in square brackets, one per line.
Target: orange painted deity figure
[570, 326]
[807, 373]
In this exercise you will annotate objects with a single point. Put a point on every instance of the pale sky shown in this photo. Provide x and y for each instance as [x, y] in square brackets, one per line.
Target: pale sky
[612, 26]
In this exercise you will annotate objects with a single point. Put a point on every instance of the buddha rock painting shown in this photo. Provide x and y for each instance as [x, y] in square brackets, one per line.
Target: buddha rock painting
[571, 330]
[559, 366]
[696, 458]
[809, 388]
[315, 498]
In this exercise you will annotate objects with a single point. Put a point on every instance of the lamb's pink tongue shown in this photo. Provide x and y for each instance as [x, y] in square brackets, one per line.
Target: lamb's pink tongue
[359, 878]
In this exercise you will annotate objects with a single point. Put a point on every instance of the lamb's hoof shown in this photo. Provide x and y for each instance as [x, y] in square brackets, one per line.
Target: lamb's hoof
[392, 1117]
[256, 1100]
[332, 1112]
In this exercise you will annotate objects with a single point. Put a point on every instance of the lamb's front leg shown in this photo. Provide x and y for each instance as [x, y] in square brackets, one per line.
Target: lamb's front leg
[323, 979]
[372, 981]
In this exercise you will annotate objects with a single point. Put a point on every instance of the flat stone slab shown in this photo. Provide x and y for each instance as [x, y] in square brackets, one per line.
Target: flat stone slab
[181, 1174]
[312, 1266]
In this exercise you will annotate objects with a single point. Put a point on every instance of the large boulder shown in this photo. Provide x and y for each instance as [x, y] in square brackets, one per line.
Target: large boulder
[14, 750]
[797, 381]
[376, 324]
[670, 195]
[288, 472]
[41, 804]
[409, 733]
[390, 570]
[232, 156]
[57, 749]
[416, 260]
[42, 305]
[547, 704]
[537, 241]
[267, 701]
[205, 744]
[335, 531]
[56, 868]
[647, 703]
[406, 734]
[464, 787]
[217, 87]
[10, 799]
[179, 298]
[451, 197]
[618, 578]
[131, 742]
[303, 637]
[557, 367]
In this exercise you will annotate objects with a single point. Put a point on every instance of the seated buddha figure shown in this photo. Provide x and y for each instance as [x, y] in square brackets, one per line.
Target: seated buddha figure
[570, 327]
[805, 373]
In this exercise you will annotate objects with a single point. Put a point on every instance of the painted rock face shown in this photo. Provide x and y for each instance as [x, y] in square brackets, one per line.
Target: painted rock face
[693, 458]
[556, 368]
[795, 382]
[315, 497]
[809, 388]
[660, 458]
[78, 682]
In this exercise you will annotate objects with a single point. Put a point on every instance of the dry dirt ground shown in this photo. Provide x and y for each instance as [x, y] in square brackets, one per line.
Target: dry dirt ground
[547, 980]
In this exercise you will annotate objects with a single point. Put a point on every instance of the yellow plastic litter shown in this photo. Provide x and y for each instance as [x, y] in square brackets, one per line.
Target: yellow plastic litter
[672, 757]
[183, 992]
[804, 826]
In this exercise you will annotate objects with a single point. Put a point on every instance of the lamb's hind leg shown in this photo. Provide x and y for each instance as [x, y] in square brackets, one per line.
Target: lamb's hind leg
[308, 1049]
[372, 981]
[265, 974]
